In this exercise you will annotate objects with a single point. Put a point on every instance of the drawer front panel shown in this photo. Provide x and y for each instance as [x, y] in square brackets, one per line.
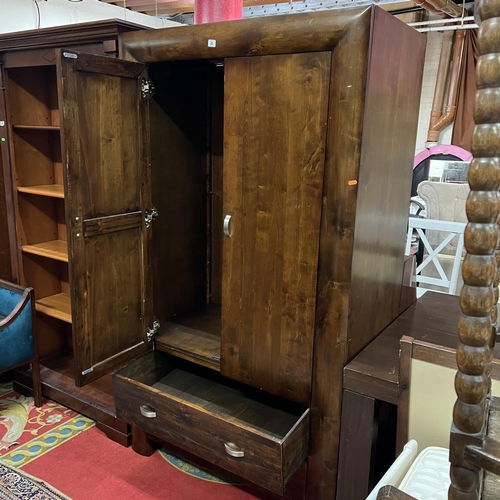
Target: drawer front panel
[266, 461]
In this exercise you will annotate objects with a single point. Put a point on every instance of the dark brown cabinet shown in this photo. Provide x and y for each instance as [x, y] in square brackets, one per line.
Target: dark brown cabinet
[236, 197]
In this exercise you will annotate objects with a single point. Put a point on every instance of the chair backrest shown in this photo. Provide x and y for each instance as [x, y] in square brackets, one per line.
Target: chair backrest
[436, 269]
[446, 202]
[16, 326]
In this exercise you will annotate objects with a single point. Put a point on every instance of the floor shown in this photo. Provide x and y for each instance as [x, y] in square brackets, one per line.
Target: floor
[67, 451]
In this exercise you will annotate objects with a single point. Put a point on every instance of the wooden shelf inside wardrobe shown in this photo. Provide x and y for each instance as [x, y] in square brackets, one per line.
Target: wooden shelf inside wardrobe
[57, 306]
[52, 190]
[194, 336]
[56, 249]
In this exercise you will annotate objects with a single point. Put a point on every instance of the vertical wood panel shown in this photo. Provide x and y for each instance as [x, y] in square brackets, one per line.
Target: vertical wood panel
[8, 186]
[355, 450]
[274, 127]
[217, 144]
[386, 166]
[405, 357]
[345, 120]
[5, 269]
[104, 133]
[8, 255]
[360, 268]
[108, 123]
[179, 188]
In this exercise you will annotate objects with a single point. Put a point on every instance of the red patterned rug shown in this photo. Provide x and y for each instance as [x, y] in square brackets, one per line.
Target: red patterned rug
[68, 453]
[27, 432]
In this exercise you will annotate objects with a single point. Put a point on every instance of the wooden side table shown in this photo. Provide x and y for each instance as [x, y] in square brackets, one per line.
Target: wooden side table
[371, 385]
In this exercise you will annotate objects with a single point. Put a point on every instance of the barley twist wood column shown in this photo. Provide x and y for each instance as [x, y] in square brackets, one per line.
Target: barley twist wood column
[480, 291]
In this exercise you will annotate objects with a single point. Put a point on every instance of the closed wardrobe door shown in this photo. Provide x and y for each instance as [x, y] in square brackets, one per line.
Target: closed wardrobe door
[275, 119]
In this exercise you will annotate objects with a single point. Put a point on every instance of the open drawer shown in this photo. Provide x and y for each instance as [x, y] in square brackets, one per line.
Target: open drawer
[256, 436]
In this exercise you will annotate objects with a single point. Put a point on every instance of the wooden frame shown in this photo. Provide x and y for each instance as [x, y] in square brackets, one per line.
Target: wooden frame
[405, 356]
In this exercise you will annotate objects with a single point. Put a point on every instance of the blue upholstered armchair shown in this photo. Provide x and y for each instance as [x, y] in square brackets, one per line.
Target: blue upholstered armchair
[17, 341]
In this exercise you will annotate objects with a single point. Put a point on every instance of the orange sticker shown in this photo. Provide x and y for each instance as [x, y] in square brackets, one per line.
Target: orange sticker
[352, 183]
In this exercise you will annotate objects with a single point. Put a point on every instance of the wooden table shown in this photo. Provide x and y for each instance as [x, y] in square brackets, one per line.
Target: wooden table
[370, 395]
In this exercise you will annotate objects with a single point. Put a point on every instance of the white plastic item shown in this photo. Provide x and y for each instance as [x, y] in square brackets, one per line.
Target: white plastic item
[398, 469]
[429, 476]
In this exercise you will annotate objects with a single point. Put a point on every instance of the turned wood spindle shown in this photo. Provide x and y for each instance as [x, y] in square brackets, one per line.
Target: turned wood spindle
[477, 323]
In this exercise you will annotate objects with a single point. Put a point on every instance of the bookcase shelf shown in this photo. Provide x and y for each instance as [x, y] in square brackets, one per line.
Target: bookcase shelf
[57, 306]
[56, 249]
[54, 128]
[52, 190]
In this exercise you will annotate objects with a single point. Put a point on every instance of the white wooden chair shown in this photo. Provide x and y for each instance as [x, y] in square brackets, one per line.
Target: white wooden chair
[446, 281]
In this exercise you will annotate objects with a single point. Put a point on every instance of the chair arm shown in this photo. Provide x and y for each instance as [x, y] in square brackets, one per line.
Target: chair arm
[8, 320]
[392, 493]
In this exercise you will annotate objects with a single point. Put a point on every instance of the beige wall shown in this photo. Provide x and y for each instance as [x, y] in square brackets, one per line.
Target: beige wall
[432, 397]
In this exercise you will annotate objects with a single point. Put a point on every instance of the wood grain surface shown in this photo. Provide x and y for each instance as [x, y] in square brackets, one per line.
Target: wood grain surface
[345, 115]
[64, 36]
[103, 145]
[179, 188]
[375, 371]
[388, 138]
[5, 260]
[8, 252]
[274, 126]
[200, 413]
[247, 37]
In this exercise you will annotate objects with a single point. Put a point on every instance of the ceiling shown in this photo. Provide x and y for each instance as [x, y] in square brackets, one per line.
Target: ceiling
[254, 7]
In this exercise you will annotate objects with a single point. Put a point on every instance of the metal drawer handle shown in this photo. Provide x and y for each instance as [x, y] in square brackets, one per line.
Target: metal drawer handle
[227, 226]
[147, 411]
[233, 450]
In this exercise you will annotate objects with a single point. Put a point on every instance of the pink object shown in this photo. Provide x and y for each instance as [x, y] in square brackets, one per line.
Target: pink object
[212, 11]
[442, 149]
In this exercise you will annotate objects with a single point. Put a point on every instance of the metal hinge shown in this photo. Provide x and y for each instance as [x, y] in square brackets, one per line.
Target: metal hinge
[149, 216]
[147, 87]
[150, 333]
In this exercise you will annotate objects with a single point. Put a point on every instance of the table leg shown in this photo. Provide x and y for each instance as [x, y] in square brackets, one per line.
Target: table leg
[356, 435]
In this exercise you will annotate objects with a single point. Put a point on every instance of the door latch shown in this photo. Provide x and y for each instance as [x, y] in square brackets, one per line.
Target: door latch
[151, 331]
[147, 87]
[149, 216]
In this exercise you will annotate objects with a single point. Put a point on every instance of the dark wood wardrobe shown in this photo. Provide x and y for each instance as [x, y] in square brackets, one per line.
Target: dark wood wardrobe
[236, 198]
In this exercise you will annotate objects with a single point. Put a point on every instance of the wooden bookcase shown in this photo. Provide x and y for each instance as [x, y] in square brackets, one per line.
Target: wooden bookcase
[37, 202]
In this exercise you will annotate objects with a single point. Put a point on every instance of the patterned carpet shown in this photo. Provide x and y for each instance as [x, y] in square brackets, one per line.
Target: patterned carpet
[56, 444]
[15, 485]
[27, 432]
